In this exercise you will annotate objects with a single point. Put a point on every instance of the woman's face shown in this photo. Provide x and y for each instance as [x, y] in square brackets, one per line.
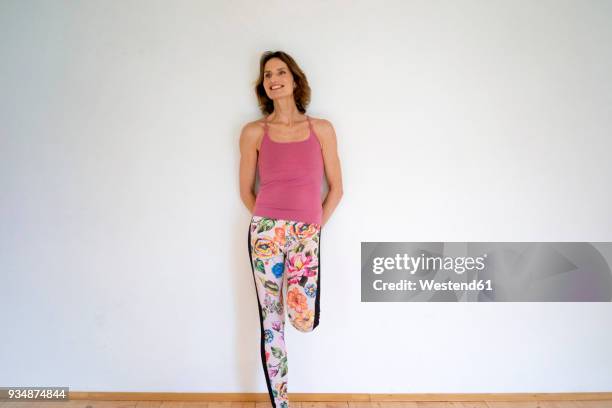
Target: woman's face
[278, 80]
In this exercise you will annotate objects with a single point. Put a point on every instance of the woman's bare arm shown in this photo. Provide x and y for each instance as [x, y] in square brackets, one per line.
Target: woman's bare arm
[333, 172]
[248, 165]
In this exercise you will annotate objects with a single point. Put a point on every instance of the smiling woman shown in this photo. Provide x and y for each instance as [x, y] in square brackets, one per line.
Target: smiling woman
[292, 153]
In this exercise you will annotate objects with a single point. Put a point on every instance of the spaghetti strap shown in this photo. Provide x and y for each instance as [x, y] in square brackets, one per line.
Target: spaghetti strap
[309, 122]
[267, 132]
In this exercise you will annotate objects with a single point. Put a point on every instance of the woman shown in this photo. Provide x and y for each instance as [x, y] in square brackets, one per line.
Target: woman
[292, 152]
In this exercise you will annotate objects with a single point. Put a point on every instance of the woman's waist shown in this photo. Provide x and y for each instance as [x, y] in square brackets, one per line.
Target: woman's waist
[290, 196]
[301, 183]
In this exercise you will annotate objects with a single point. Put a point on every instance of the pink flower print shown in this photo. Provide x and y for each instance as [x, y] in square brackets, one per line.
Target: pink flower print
[273, 371]
[300, 265]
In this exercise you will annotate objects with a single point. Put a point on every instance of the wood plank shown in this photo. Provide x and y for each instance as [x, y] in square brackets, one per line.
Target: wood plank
[149, 404]
[171, 404]
[394, 404]
[326, 404]
[111, 404]
[223, 404]
[558, 404]
[197, 404]
[243, 404]
[513, 404]
[595, 404]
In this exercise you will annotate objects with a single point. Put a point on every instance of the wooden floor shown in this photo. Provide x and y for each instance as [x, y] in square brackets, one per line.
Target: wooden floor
[411, 404]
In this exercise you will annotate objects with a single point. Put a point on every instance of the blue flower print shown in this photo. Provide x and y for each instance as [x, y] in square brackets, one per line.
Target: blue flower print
[311, 289]
[268, 336]
[277, 269]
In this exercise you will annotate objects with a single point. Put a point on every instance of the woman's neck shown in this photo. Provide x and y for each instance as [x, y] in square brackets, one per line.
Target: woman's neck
[285, 113]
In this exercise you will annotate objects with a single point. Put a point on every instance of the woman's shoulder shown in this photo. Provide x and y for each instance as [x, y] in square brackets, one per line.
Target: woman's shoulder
[254, 126]
[253, 129]
[319, 121]
[322, 127]
[252, 133]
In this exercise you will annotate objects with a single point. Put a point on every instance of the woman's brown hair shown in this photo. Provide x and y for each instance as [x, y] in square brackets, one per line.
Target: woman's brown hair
[301, 92]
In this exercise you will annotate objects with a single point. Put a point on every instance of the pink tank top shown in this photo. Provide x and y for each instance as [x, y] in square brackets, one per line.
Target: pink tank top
[290, 179]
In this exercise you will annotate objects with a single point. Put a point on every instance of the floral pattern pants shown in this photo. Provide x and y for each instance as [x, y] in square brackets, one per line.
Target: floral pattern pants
[284, 251]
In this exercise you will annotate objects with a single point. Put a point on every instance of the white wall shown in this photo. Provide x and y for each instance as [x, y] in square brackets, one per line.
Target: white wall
[123, 252]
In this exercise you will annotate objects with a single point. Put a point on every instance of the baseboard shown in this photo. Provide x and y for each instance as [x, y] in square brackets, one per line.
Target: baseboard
[337, 397]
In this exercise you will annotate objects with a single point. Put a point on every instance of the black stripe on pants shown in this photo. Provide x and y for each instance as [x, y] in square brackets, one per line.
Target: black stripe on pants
[263, 350]
[317, 300]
